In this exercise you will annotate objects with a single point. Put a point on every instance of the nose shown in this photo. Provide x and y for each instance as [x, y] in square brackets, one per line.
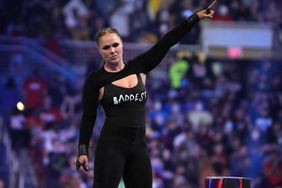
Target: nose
[112, 50]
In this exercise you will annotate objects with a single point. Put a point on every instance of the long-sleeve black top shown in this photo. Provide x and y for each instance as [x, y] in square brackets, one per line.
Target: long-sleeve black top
[143, 63]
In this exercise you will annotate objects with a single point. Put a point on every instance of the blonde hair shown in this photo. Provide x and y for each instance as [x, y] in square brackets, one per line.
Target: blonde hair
[105, 31]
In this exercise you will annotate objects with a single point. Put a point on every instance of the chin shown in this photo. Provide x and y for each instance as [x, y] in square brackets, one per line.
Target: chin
[114, 62]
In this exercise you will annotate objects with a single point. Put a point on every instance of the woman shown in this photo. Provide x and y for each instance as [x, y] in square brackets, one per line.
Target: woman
[120, 88]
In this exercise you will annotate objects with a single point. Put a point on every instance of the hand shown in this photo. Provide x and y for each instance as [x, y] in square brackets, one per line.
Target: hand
[82, 164]
[205, 13]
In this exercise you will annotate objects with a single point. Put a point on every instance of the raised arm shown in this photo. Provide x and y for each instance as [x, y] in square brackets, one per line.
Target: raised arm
[151, 58]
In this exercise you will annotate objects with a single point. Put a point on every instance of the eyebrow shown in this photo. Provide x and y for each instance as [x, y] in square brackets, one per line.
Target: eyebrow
[116, 44]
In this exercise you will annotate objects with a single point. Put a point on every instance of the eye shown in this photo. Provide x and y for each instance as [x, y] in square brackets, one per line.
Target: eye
[116, 44]
[106, 47]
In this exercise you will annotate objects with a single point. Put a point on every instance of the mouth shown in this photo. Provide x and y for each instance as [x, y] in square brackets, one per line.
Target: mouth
[114, 57]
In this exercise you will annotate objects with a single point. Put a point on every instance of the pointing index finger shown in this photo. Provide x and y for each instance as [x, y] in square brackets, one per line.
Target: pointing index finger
[212, 4]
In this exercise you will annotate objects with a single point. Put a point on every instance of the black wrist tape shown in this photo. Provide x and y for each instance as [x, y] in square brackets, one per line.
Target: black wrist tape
[82, 150]
[193, 19]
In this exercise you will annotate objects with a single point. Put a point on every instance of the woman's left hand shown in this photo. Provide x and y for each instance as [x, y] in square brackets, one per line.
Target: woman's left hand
[205, 13]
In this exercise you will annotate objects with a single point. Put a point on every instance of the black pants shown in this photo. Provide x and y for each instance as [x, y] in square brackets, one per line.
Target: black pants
[121, 152]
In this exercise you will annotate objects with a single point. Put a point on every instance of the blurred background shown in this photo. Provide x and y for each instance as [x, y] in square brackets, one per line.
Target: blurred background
[214, 106]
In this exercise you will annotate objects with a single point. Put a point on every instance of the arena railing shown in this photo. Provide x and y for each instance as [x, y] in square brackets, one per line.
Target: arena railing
[33, 52]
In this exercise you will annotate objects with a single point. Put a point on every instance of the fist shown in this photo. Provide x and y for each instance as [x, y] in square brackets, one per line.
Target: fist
[82, 164]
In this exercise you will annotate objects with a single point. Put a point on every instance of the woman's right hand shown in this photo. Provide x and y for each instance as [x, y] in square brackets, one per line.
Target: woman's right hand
[82, 164]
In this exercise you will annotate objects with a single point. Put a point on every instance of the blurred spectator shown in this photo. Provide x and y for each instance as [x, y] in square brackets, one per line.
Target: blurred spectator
[140, 23]
[70, 107]
[164, 18]
[57, 88]
[223, 13]
[10, 95]
[178, 69]
[271, 13]
[153, 7]
[34, 89]
[20, 133]
[119, 17]
[205, 168]
[76, 15]
[200, 117]
[49, 113]
[272, 169]
[243, 12]
[105, 7]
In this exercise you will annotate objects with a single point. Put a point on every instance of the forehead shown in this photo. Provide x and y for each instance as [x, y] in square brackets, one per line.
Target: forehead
[109, 39]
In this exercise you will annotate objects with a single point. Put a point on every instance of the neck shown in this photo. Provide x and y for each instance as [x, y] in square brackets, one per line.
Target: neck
[114, 67]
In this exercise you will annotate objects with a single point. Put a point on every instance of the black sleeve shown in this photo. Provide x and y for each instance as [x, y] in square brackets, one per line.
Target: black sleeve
[90, 97]
[151, 58]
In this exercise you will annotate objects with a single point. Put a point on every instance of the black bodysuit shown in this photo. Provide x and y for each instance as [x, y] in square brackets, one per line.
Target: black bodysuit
[125, 106]
[121, 149]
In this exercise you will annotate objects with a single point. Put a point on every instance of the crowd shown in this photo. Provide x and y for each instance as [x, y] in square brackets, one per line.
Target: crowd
[205, 117]
[137, 20]
[217, 118]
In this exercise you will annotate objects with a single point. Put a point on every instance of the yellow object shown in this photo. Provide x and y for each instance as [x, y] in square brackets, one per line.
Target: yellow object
[202, 57]
[183, 53]
[153, 7]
